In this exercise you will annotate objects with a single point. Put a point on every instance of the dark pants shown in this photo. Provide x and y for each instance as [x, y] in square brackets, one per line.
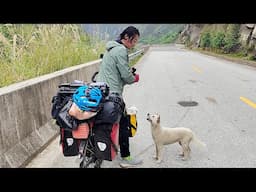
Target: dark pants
[124, 136]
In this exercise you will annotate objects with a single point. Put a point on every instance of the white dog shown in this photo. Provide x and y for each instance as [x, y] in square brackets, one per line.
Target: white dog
[163, 136]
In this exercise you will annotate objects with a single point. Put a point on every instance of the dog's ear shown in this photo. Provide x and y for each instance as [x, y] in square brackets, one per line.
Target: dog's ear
[158, 118]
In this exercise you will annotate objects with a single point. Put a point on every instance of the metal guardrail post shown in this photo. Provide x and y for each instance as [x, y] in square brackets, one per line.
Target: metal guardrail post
[135, 54]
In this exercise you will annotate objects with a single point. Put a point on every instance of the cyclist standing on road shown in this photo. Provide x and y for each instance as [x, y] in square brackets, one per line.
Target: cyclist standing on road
[115, 71]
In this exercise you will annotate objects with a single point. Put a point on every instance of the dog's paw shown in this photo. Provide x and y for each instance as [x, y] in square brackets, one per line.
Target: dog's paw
[158, 161]
[181, 154]
[155, 157]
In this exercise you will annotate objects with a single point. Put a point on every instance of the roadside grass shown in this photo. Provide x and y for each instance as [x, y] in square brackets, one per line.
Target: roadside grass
[135, 60]
[28, 50]
[234, 57]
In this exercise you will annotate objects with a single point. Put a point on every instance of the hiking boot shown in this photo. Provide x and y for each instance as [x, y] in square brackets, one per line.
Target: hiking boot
[127, 162]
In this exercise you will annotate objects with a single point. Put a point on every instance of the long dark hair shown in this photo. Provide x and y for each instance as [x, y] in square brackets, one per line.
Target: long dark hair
[130, 31]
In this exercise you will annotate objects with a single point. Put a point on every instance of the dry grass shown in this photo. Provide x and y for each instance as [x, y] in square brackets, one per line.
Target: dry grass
[30, 50]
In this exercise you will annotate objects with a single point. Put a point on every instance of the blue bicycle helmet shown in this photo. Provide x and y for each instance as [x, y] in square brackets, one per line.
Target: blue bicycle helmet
[87, 98]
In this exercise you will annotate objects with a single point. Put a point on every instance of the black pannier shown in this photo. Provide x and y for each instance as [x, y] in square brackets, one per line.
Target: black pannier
[70, 145]
[112, 110]
[102, 141]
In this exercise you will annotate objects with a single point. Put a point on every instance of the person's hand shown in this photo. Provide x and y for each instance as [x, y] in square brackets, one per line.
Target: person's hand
[137, 77]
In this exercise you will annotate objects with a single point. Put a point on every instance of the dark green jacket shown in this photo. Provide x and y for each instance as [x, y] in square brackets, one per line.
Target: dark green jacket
[114, 68]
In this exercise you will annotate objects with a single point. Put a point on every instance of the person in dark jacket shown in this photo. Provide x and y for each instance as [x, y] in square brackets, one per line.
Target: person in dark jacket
[115, 71]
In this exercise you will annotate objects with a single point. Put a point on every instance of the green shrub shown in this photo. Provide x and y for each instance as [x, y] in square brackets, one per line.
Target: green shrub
[217, 41]
[205, 40]
[232, 38]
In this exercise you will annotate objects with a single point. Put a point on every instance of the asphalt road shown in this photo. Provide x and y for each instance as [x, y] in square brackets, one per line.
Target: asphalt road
[224, 117]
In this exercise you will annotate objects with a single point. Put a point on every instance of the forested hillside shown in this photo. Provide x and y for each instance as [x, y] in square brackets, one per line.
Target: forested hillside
[235, 39]
[150, 33]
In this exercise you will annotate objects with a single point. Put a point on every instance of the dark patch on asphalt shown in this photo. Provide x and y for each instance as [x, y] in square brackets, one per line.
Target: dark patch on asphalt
[188, 103]
[192, 81]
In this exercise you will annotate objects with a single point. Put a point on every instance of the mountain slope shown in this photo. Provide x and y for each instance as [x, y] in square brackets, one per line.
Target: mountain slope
[149, 33]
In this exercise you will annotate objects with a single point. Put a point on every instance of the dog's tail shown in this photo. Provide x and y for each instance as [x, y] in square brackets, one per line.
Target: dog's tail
[198, 142]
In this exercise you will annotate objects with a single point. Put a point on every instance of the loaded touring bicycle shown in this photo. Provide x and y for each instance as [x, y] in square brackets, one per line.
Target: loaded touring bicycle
[88, 116]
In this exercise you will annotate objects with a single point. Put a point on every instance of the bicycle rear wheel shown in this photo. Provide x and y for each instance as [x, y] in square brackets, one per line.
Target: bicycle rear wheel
[88, 156]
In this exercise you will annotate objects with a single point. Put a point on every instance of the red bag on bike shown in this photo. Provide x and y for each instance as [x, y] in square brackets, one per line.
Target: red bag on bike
[81, 132]
[114, 138]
